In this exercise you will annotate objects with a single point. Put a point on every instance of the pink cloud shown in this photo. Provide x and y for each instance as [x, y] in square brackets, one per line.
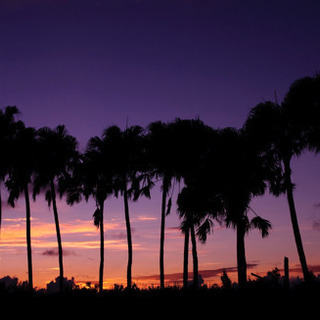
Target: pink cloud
[205, 274]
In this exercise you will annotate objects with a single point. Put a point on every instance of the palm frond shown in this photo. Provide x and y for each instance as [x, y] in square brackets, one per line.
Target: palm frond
[48, 197]
[74, 196]
[169, 204]
[262, 224]
[97, 218]
[204, 229]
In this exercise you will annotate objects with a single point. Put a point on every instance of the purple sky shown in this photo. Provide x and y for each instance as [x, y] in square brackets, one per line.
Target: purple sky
[90, 64]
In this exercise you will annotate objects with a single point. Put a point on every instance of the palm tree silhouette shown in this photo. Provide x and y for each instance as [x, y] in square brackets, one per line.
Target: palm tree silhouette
[281, 138]
[190, 211]
[7, 131]
[243, 177]
[229, 175]
[57, 153]
[127, 162]
[20, 176]
[199, 205]
[191, 141]
[160, 153]
[97, 181]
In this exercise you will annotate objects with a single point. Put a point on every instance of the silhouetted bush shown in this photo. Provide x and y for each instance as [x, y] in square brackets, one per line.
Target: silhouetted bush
[68, 285]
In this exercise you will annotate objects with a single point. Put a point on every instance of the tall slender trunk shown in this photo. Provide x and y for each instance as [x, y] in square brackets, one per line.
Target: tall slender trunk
[101, 247]
[186, 257]
[162, 230]
[241, 254]
[195, 258]
[129, 239]
[294, 219]
[28, 234]
[56, 219]
[0, 210]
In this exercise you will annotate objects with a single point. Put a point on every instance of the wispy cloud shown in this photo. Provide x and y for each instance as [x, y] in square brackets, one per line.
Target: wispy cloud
[80, 234]
[316, 225]
[205, 274]
[55, 252]
[297, 268]
[16, 220]
[118, 235]
[144, 218]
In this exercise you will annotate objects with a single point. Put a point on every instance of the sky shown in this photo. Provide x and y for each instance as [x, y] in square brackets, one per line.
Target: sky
[90, 64]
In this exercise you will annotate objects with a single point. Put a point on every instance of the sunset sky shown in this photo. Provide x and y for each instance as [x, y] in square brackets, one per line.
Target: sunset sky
[89, 64]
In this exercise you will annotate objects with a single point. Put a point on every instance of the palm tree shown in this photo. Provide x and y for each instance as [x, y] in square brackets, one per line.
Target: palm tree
[93, 178]
[190, 207]
[190, 140]
[198, 205]
[280, 138]
[57, 154]
[243, 225]
[300, 109]
[127, 162]
[230, 174]
[7, 131]
[245, 174]
[159, 152]
[20, 176]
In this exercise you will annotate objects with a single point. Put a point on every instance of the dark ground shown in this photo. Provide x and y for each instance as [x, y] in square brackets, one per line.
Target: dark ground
[252, 303]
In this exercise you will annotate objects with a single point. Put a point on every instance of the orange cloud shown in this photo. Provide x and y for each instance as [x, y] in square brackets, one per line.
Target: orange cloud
[77, 234]
[143, 218]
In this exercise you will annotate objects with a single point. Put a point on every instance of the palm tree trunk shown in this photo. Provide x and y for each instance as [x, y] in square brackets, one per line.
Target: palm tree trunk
[28, 234]
[241, 254]
[162, 230]
[56, 219]
[186, 257]
[129, 239]
[195, 258]
[294, 219]
[101, 248]
[0, 210]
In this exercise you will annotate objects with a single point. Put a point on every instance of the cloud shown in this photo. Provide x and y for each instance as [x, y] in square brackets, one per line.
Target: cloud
[55, 252]
[174, 229]
[143, 218]
[43, 235]
[297, 268]
[119, 236]
[17, 220]
[51, 252]
[316, 225]
[205, 274]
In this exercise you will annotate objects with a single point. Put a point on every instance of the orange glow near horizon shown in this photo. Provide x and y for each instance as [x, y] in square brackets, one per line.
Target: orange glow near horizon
[14, 235]
[81, 243]
[83, 237]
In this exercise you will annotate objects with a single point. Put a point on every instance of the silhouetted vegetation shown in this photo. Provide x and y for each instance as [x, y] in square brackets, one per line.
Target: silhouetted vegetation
[264, 296]
[221, 171]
